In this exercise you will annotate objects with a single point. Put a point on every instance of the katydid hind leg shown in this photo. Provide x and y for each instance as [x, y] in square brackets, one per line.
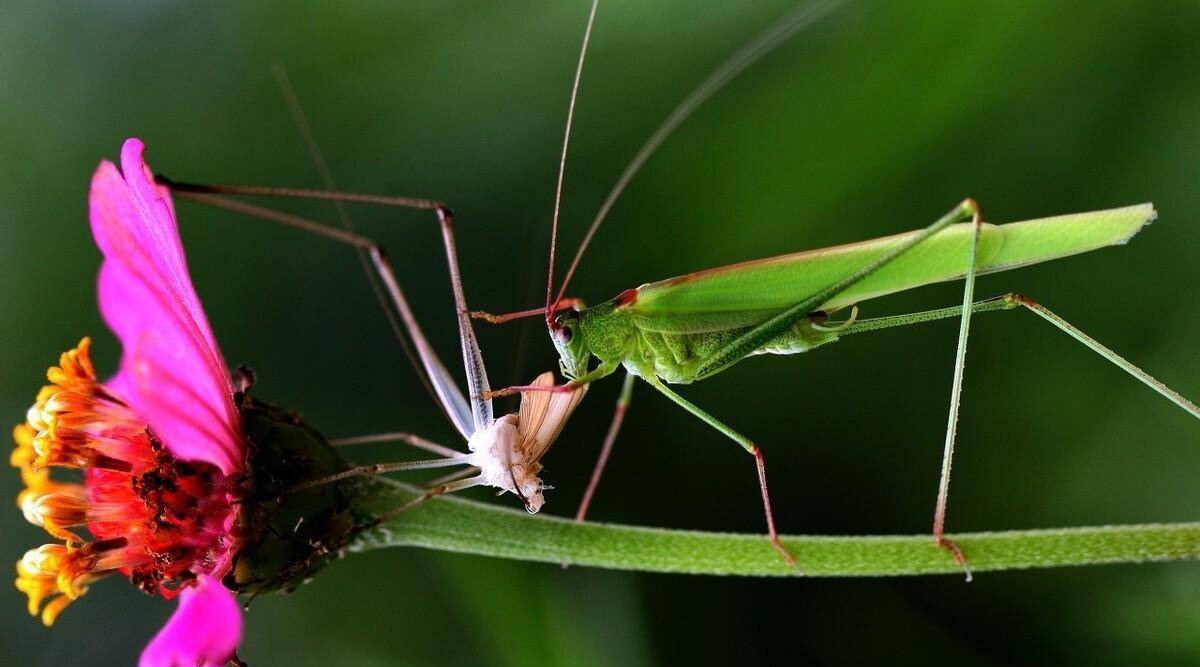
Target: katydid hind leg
[747, 444]
[610, 438]
[960, 358]
[1109, 355]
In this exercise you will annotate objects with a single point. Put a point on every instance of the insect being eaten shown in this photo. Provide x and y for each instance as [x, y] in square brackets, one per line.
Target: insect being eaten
[689, 328]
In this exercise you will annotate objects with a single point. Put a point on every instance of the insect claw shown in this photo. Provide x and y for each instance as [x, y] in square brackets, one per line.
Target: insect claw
[485, 316]
[956, 551]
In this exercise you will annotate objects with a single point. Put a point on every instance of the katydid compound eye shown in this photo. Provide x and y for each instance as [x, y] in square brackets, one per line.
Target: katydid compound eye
[564, 334]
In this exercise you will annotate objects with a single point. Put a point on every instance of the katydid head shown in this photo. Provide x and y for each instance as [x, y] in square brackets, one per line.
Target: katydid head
[568, 339]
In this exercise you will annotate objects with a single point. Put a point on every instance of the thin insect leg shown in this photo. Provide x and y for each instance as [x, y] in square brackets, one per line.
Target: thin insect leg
[1116, 359]
[609, 439]
[456, 475]
[574, 304]
[398, 436]
[299, 193]
[431, 493]
[602, 371]
[477, 384]
[960, 360]
[753, 449]
[751, 340]
[379, 469]
[1005, 302]
[477, 381]
[450, 398]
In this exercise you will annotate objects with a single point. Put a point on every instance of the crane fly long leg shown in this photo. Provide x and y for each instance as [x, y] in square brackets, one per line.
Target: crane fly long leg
[960, 360]
[379, 469]
[397, 436]
[454, 476]
[751, 448]
[433, 492]
[449, 398]
[606, 449]
[477, 382]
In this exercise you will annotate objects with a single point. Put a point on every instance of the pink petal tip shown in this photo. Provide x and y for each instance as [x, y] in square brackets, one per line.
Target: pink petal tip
[203, 632]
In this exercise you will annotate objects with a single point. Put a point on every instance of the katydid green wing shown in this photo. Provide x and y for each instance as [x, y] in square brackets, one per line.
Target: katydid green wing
[745, 294]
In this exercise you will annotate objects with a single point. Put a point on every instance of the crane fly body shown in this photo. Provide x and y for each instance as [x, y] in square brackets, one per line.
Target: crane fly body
[508, 453]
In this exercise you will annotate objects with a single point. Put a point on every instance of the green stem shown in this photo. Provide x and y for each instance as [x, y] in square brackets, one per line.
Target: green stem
[453, 524]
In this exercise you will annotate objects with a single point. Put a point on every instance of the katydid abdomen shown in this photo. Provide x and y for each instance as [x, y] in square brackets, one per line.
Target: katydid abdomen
[677, 357]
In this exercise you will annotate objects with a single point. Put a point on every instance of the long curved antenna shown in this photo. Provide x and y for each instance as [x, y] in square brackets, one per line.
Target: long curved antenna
[562, 160]
[756, 48]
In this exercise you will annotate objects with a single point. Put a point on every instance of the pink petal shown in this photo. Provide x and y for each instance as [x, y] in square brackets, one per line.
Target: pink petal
[203, 632]
[172, 372]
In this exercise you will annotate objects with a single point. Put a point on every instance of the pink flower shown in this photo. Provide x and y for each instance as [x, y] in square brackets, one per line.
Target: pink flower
[160, 444]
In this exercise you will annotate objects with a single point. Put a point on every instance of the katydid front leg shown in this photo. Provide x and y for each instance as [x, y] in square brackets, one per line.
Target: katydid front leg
[604, 370]
[610, 438]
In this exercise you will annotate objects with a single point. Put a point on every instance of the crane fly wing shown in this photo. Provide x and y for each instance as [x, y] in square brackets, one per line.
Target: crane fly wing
[745, 294]
[543, 415]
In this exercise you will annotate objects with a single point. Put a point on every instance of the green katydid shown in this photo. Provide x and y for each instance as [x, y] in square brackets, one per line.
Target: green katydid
[689, 328]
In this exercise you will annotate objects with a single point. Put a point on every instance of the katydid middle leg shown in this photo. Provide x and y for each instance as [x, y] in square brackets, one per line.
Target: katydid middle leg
[747, 444]
[960, 359]
[610, 438]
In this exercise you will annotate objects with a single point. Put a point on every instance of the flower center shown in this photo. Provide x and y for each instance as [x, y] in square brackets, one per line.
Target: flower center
[156, 519]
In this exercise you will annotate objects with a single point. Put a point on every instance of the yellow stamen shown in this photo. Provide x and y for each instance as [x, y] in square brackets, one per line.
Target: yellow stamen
[56, 573]
[25, 456]
[56, 507]
[50, 571]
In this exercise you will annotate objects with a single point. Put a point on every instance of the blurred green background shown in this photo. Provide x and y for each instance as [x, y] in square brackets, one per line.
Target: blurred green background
[876, 120]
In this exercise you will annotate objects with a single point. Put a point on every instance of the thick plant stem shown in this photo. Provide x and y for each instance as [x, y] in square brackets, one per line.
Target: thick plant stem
[452, 524]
